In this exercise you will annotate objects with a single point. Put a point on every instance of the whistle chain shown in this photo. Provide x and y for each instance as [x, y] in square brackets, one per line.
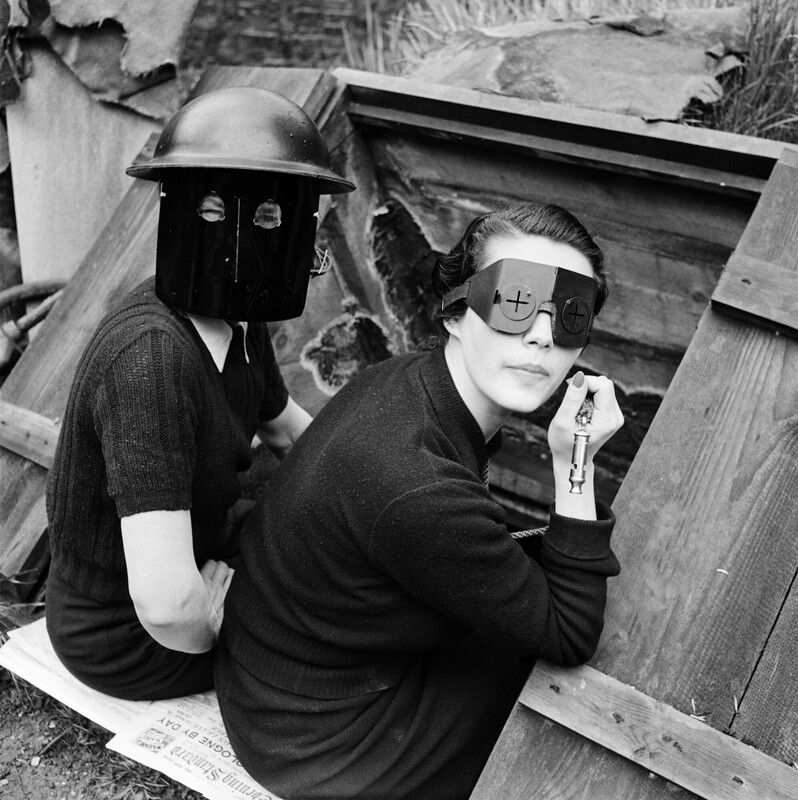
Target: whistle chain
[581, 441]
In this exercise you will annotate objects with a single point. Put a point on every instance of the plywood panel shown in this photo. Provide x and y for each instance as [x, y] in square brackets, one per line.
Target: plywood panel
[69, 154]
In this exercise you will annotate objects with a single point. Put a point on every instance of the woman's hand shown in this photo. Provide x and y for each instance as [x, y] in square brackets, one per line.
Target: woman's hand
[607, 417]
[216, 575]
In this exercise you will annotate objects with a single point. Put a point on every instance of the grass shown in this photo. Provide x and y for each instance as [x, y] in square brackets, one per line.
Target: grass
[66, 743]
[760, 98]
[75, 748]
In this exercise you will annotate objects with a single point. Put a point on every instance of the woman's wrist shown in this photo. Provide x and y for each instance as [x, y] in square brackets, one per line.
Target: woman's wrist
[567, 503]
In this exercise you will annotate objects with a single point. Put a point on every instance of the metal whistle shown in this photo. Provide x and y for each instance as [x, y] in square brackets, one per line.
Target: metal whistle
[579, 453]
[578, 461]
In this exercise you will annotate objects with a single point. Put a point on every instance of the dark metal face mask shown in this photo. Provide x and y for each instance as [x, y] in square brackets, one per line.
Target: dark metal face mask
[507, 294]
[236, 244]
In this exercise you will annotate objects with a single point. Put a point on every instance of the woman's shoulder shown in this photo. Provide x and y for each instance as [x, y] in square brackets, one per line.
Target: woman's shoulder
[139, 319]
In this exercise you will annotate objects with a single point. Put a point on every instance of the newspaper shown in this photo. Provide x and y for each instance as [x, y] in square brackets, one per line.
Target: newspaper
[29, 654]
[183, 738]
[186, 740]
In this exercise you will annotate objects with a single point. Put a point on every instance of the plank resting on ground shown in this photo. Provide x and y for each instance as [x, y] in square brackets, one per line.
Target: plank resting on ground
[676, 746]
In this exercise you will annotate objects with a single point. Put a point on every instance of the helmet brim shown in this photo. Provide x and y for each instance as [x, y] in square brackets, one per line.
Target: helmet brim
[329, 182]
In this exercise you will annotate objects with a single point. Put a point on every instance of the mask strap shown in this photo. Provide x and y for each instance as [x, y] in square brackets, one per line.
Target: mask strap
[322, 261]
[458, 293]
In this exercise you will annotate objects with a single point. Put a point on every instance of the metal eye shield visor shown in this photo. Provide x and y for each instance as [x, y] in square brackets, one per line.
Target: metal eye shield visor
[507, 294]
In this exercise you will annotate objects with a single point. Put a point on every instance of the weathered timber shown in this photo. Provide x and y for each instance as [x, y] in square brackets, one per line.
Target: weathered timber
[689, 155]
[28, 434]
[706, 537]
[677, 746]
[767, 713]
[760, 293]
[122, 256]
[349, 227]
[665, 245]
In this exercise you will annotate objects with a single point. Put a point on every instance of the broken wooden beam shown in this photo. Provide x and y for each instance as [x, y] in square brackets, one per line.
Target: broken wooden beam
[28, 434]
[679, 747]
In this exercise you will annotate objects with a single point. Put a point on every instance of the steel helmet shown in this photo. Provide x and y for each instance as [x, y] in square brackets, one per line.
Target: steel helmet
[241, 170]
[243, 128]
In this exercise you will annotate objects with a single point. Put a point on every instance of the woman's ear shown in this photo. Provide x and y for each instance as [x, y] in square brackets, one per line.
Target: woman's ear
[452, 325]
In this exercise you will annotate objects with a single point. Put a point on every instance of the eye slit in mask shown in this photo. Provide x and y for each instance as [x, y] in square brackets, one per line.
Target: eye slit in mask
[268, 215]
[211, 208]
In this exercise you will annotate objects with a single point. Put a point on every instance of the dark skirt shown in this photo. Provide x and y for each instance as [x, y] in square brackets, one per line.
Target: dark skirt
[427, 737]
[105, 646]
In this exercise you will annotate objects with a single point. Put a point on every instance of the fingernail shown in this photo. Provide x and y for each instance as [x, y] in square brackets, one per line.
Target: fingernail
[579, 379]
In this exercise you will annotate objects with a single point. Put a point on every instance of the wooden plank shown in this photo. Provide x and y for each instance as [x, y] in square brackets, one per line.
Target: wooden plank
[69, 153]
[759, 293]
[767, 714]
[656, 736]
[387, 96]
[28, 434]
[122, 256]
[557, 149]
[706, 537]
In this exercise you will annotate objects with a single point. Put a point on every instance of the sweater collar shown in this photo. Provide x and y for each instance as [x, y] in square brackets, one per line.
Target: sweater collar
[216, 335]
[453, 415]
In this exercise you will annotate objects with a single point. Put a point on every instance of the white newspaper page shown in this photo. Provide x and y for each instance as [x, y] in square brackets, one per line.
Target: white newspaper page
[29, 654]
[185, 739]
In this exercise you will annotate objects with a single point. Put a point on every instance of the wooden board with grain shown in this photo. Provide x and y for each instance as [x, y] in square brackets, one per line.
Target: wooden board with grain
[706, 527]
[122, 256]
[679, 747]
[28, 434]
[760, 293]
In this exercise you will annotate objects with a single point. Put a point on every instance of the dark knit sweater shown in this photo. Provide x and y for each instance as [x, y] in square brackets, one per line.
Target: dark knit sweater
[378, 540]
[151, 424]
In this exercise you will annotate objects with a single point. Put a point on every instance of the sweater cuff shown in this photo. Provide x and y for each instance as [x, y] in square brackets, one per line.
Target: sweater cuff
[128, 504]
[581, 538]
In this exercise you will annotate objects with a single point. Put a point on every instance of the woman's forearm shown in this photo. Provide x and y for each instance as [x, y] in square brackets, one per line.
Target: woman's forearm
[185, 623]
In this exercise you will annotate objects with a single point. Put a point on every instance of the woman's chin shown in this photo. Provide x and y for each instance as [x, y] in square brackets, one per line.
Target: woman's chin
[525, 401]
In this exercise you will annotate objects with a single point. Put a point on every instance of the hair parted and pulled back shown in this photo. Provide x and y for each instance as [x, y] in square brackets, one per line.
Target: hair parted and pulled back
[546, 220]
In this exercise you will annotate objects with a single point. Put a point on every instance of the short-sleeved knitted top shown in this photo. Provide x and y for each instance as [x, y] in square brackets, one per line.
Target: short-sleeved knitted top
[152, 424]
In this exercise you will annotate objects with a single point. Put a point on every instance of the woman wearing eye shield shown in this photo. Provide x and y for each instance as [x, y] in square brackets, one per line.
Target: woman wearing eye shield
[385, 619]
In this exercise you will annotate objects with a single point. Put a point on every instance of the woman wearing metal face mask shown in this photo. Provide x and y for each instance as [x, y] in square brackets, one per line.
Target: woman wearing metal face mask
[144, 501]
[386, 618]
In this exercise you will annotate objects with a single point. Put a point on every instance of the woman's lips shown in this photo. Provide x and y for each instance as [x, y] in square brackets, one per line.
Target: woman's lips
[533, 370]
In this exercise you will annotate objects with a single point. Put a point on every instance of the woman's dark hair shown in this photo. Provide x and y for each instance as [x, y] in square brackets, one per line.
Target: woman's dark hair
[549, 221]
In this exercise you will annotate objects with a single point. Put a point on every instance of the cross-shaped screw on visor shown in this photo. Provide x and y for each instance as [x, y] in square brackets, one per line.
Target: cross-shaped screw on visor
[508, 293]
[518, 301]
